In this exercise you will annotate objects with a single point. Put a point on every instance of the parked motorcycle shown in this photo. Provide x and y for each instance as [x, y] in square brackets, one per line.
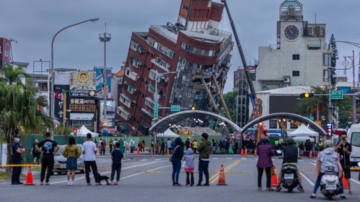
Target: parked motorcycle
[289, 178]
[330, 185]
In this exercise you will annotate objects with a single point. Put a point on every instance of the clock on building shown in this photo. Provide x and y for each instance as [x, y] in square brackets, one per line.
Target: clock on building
[291, 32]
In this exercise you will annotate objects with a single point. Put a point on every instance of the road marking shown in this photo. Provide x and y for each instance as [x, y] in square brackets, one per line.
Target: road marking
[143, 160]
[135, 166]
[313, 164]
[355, 181]
[157, 159]
[228, 158]
[215, 158]
[243, 158]
[307, 179]
[144, 172]
[216, 176]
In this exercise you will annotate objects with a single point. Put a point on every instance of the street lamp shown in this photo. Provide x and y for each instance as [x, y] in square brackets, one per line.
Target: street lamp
[105, 37]
[51, 110]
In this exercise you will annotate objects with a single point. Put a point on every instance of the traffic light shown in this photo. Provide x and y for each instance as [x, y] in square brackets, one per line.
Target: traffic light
[329, 130]
[193, 107]
[306, 95]
[332, 76]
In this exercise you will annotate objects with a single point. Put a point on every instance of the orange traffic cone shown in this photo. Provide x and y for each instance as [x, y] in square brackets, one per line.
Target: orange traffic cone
[274, 179]
[222, 180]
[29, 177]
[255, 154]
[167, 152]
[242, 153]
[345, 185]
[151, 152]
[138, 152]
[311, 155]
[246, 152]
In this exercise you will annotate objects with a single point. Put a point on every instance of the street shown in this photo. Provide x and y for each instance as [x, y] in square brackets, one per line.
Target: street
[148, 177]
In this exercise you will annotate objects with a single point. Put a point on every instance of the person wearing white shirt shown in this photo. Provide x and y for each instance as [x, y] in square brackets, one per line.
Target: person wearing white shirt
[89, 155]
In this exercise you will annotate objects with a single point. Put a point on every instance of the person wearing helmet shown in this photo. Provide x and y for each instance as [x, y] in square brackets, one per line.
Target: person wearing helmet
[290, 157]
[327, 158]
[265, 152]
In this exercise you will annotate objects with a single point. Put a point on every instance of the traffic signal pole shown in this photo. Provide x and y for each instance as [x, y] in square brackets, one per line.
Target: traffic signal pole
[329, 104]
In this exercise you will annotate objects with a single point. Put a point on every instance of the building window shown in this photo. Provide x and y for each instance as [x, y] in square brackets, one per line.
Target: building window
[134, 45]
[296, 73]
[152, 75]
[164, 50]
[327, 59]
[325, 75]
[273, 124]
[185, 7]
[296, 57]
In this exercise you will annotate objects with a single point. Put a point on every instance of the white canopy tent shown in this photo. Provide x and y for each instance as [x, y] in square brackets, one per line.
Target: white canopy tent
[304, 138]
[83, 131]
[303, 131]
[167, 133]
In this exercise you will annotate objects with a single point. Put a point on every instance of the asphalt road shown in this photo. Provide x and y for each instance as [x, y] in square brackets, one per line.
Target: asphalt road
[145, 178]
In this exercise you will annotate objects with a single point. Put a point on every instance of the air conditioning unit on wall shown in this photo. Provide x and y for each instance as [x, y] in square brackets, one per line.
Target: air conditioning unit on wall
[287, 79]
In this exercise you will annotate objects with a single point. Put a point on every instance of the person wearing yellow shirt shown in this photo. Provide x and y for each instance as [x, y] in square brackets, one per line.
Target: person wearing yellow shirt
[195, 146]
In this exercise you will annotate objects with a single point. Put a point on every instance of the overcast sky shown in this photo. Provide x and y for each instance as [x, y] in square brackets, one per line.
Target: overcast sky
[34, 23]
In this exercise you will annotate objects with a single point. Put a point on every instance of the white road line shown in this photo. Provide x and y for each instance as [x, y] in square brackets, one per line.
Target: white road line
[307, 179]
[228, 158]
[215, 158]
[143, 172]
[313, 164]
[243, 158]
[157, 159]
[143, 160]
[135, 166]
[355, 181]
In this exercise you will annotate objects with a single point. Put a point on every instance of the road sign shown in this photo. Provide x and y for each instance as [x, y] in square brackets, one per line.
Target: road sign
[156, 110]
[175, 108]
[336, 95]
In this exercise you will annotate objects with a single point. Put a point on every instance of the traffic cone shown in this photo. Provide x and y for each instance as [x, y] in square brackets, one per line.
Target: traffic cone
[167, 152]
[222, 180]
[311, 155]
[138, 152]
[29, 177]
[246, 152]
[274, 179]
[345, 185]
[242, 153]
[255, 154]
[151, 152]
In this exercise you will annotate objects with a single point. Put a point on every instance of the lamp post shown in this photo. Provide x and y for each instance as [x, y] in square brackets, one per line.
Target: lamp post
[51, 110]
[156, 96]
[105, 37]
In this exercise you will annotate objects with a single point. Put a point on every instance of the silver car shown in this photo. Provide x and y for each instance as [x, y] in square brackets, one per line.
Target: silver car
[60, 161]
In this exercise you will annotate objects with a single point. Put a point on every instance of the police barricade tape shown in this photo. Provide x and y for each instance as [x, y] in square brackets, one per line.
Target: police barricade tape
[18, 165]
[355, 168]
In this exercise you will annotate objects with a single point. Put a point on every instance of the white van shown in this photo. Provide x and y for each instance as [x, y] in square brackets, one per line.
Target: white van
[353, 136]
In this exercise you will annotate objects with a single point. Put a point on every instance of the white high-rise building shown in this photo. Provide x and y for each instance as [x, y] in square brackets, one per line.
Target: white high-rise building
[301, 56]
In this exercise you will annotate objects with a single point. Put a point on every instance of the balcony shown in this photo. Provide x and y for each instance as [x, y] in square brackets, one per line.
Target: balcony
[164, 32]
[123, 113]
[131, 74]
[160, 63]
[149, 102]
[130, 88]
[125, 100]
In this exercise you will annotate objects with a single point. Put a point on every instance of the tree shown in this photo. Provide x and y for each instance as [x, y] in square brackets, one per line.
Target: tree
[309, 106]
[230, 101]
[334, 57]
[19, 106]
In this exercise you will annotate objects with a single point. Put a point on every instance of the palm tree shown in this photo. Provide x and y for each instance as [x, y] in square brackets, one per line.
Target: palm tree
[19, 106]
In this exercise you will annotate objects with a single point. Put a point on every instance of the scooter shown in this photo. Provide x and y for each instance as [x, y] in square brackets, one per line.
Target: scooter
[289, 178]
[330, 185]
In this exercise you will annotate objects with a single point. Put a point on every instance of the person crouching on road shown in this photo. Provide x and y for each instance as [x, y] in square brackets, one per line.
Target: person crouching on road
[177, 155]
[72, 153]
[116, 157]
[189, 166]
[265, 152]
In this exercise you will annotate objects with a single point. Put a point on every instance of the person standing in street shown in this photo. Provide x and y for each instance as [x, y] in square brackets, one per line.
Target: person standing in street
[176, 161]
[48, 148]
[111, 145]
[204, 159]
[132, 146]
[344, 149]
[35, 153]
[72, 153]
[17, 151]
[189, 167]
[195, 146]
[162, 147]
[169, 145]
[116, 157]
[89, 151]
[265, 152]
[103, 147]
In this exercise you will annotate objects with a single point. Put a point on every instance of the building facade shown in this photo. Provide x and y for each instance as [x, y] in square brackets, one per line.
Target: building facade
[186, 59]
[301, 56]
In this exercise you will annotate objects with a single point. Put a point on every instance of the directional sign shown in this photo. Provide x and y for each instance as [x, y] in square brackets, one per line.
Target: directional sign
[156, 110]
[336, 95]
[175, 108]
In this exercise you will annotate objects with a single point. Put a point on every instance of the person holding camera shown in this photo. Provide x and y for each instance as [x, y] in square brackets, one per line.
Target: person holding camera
[344, 149]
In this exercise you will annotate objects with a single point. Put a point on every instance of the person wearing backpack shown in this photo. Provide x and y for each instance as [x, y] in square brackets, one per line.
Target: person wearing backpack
[72, 153]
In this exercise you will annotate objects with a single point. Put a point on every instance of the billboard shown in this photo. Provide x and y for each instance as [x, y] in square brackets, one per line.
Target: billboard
[62, 78]
[59, 102]
[82, 80]
[100, 82]
[110, 112]
[5, 50]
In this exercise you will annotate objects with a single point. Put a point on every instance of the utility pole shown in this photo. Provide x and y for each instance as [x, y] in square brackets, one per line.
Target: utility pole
[105, 37]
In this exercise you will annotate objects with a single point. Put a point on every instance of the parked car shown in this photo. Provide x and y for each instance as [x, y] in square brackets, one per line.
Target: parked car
[60, 161]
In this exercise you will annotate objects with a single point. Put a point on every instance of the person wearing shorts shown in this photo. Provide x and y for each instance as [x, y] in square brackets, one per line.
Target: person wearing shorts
[344, 149]
[35, 152]
[72, 153]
